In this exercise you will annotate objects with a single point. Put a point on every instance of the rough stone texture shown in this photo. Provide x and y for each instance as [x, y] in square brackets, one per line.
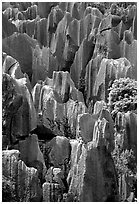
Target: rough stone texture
[63, 6]
[97, 127]
[28, 27]
[78, 52]
[51, 192]
[101, 135]
[20, 109]
[31, 154]
[55, 175]
[84, 52]
[121, 140]
[5, 5]
[43, 64]
[69, 52]
[49, 175]
[26, 183]
[8, 28]
[36, 91]
[39, 71]
[58, 175]
[65, 88]
[109, 129]
[99, 105]
[41, 31]
[74, 147]
[134, 27]
[85, 126]
[12, 67]
[94, 11]
[74, 157]
[27, 110]
[12, 46]
[61, 85]
[93, 177]
[128, 122]
[109, 71]
[10, 163]
[4, 55]
[29, 11]
[81, 29]
[8, 190]
[55, 104]
[59, 153]
[109, 22]
[54, 17]
[90, 22]
[58, 40]
[13, 13]
[129, 51]
[74, 108]
[44, 8]
[74, 10]
[49, 109]
[73, 31]
[108, 44]
[50, 61]
[92, 69]
[124, 191]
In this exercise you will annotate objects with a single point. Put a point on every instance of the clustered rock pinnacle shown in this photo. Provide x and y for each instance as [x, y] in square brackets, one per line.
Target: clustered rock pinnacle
[59, 137]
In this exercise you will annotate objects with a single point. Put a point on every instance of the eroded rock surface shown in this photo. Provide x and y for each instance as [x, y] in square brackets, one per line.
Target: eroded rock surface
[26, 183]
[59, 60]
[93, 176]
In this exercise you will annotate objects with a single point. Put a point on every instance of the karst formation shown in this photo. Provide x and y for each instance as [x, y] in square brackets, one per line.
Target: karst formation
[69, 102]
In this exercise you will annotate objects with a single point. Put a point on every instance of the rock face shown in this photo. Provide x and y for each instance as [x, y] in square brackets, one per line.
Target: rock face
[74, 108]
[49, 107]
[60, 103]
[129, 51]
[44, 8]
[28, 179]
[59, 153]
[43, 64]
[10, 163]
[65, 88]
[109, 71]
[36, 91]
[31, 154]
[20, 109]
[98, 128]
[85, 127]
[92, 169]
[92, 69]
[51, 192]
[55, 175]
[59, 61]
[8, 28]
[25, 179]
[128, 122]
[12, 67]
[61, 85]
[78, 67]
[92, 176]
[58, 41]
[12, 46]
[99, 105]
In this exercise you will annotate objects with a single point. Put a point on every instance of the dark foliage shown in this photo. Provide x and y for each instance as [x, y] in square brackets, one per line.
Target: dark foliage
[122, 96]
